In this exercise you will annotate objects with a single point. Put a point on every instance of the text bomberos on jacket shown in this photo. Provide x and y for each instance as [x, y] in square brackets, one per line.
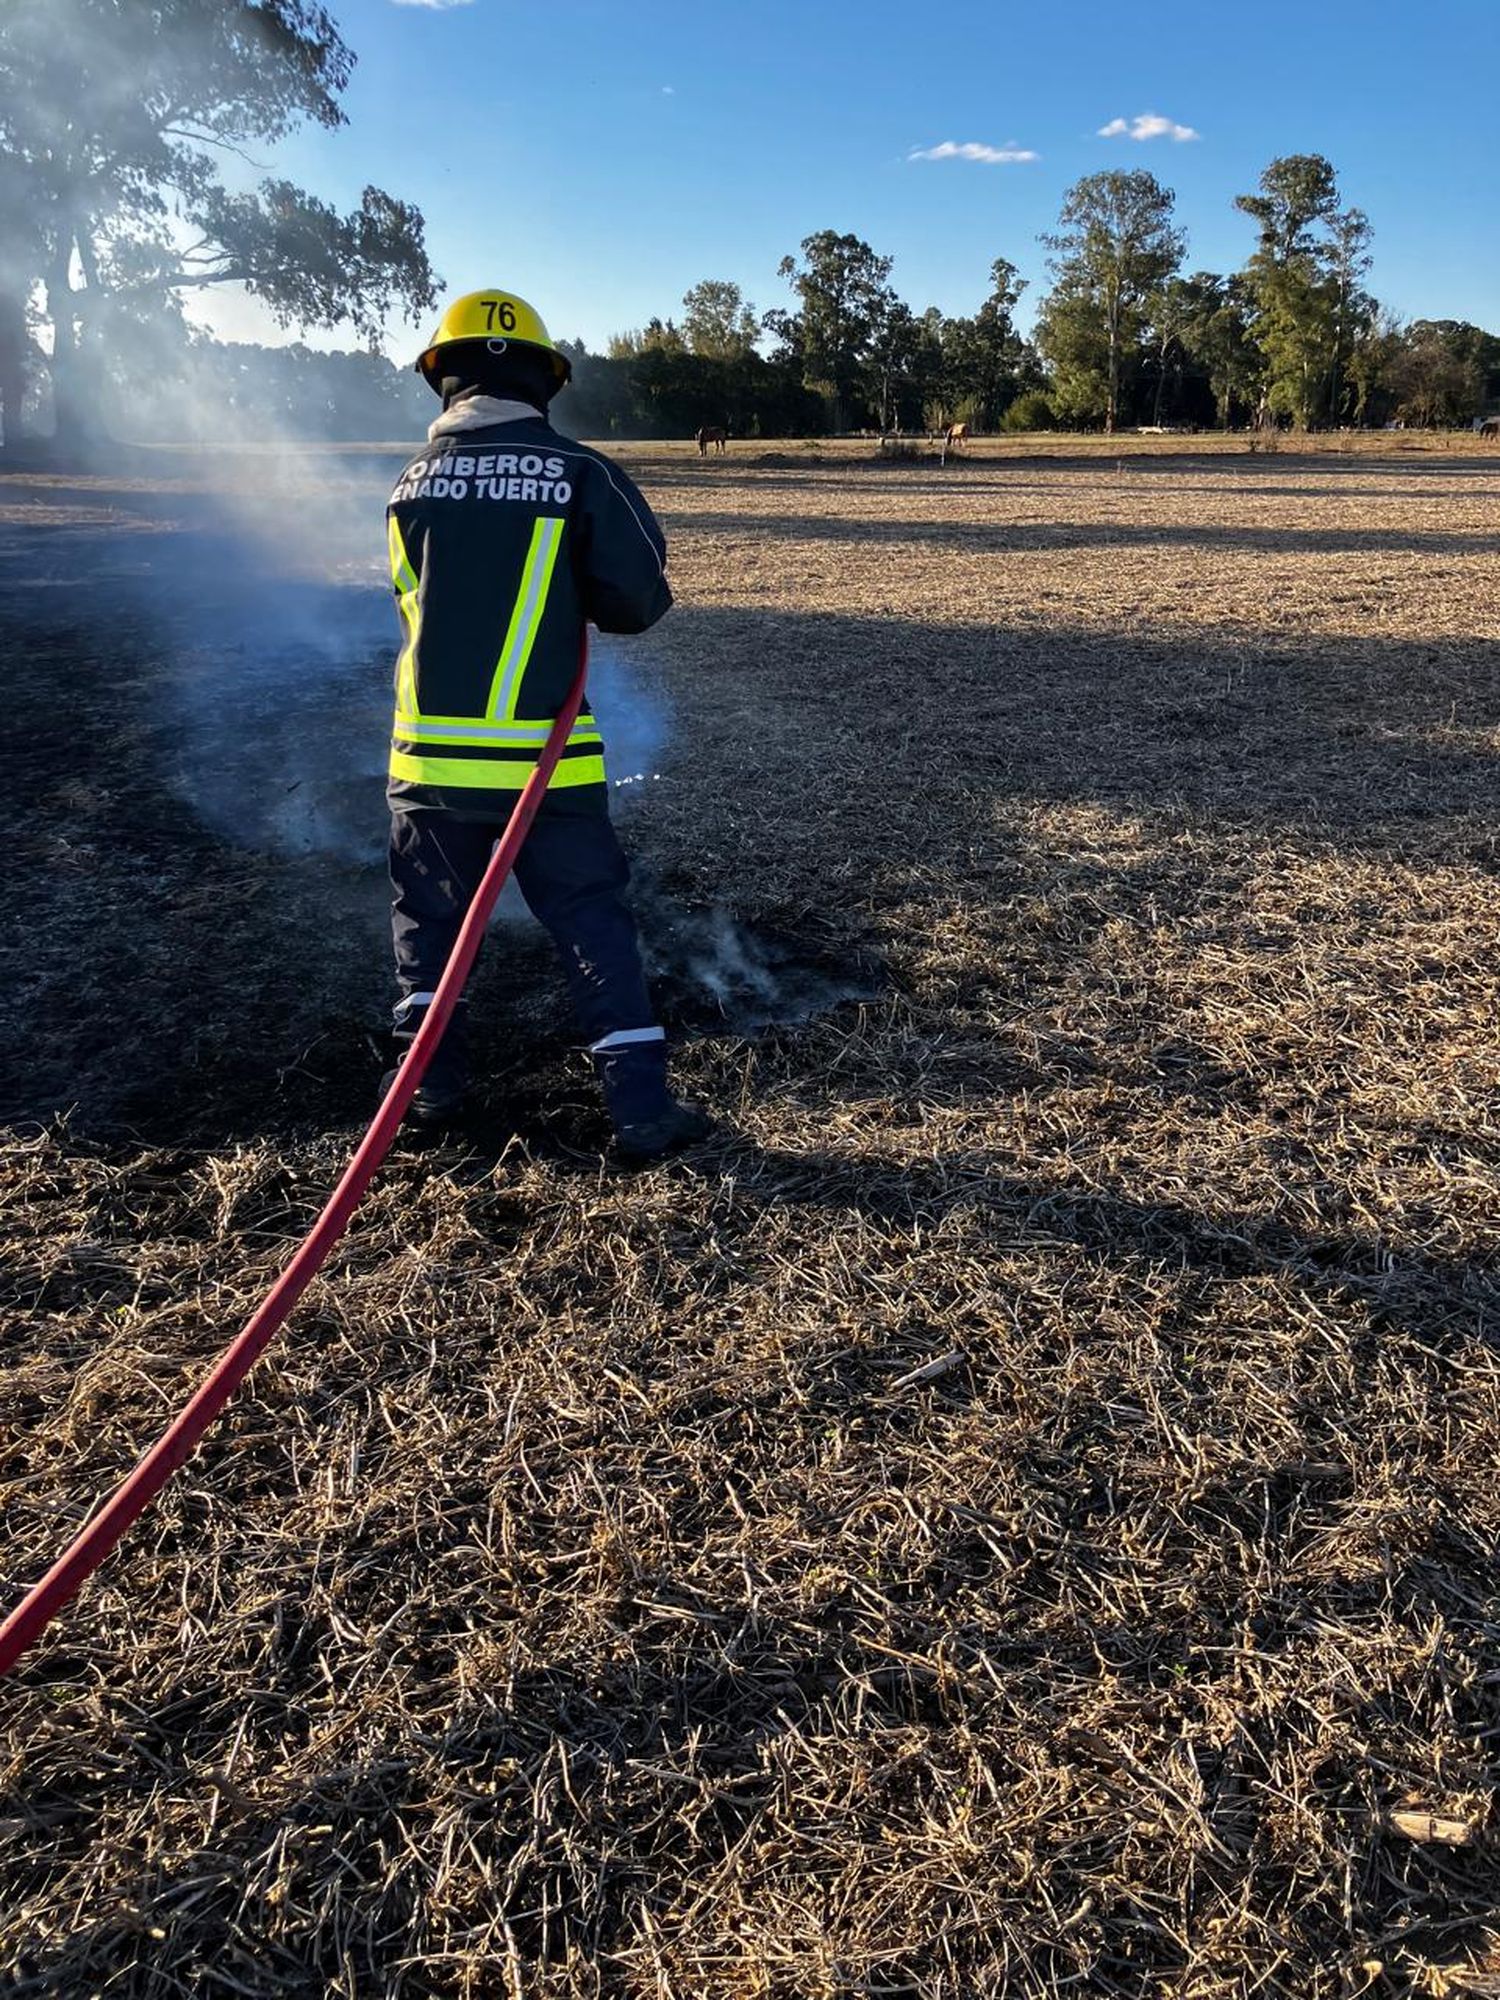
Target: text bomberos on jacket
[489, 475]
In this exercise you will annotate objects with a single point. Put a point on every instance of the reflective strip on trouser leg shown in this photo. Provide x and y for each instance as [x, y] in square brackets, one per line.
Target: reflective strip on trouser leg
[408, 1015]
[625, 1038]
[448, 1066]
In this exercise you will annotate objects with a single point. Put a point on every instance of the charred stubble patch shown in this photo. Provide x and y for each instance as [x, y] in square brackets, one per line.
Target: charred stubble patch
[1016, 1514]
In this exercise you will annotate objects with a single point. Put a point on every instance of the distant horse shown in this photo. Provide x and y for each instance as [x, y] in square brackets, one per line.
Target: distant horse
[1490, 428]
[955, 437]
[710, 434]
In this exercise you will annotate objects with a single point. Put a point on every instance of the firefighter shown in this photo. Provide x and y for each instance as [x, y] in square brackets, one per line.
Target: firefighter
[506, 539]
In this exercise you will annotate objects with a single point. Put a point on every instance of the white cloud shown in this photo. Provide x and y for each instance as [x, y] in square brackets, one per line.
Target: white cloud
[1149, 125]
[990, 156]
[669, 90]
[433, 6]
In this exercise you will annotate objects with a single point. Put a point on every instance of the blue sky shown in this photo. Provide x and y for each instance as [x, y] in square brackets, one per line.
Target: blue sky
[600, 158]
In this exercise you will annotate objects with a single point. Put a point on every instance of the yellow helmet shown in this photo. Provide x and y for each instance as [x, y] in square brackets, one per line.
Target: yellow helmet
[499, 319]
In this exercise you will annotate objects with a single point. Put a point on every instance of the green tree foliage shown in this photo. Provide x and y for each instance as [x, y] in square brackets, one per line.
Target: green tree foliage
[1214, 334]
[115, 116]
[658, 390]
[1371, 360]
[718, 321]
[240, 389]
[892, 367]
[1439, 371]
[1305, 283]
[987, 363]
[1114, 250]
[925, 404]
[1167, 322]
[1031, 411]
[657, 336]
[1071, 339]
[846, 302]
[1354, 310]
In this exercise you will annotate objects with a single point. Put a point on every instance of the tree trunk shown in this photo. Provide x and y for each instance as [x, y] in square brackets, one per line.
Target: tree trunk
[12, 365]
[76, 419]
[1112, 409]
[1337, 369]
[64, 345]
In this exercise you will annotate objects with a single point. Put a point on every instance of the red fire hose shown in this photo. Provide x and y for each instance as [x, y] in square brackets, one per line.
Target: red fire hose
[177, 1443]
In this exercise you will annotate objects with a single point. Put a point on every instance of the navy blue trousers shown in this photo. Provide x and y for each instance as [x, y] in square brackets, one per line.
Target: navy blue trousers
[573, 874]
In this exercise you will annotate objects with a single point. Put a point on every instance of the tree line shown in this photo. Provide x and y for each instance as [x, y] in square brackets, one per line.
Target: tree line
[1123, 336]
[114, 210]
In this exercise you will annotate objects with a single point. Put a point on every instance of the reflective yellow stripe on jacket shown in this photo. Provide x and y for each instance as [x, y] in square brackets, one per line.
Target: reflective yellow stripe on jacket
[417, 759]
[496, 751]
[404, 578]
[526, 618]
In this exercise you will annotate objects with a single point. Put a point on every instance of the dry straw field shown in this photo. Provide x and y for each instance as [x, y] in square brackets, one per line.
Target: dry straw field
[1016, 1514]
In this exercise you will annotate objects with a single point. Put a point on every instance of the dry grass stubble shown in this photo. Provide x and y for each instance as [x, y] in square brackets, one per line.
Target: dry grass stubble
[1017, 1514]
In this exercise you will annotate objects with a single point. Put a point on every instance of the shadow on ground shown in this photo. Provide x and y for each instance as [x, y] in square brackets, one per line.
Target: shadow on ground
[187, 982]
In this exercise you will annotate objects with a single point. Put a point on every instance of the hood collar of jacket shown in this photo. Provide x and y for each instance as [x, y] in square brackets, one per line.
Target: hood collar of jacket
[479, 413]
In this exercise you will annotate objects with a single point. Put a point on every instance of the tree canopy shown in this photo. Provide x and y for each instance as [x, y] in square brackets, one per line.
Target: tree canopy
[718, 321]
[1122, 336]
[1115, 248]
[847, 302]
[119, 123]
[1304, 282]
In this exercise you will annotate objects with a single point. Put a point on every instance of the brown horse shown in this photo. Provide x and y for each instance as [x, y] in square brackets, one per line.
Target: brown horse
[710, 434]
[956, 437]
[1490, 428]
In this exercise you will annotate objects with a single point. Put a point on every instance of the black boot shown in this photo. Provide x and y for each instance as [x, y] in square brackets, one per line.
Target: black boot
[439, 1098]
[427, 1107]
[648, 1120]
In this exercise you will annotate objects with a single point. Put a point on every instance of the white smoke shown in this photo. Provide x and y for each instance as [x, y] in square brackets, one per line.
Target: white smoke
[283, 636]
[723, 972]
[275, 611]
[726, 962]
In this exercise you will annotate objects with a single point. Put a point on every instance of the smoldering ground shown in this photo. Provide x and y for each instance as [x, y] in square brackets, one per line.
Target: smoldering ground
[253, 605]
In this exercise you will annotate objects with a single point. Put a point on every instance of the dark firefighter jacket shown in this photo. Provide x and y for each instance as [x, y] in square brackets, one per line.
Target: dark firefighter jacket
[504, 541]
